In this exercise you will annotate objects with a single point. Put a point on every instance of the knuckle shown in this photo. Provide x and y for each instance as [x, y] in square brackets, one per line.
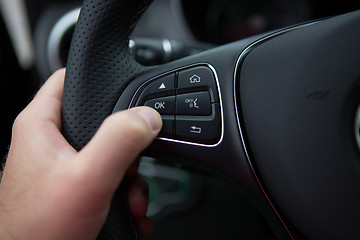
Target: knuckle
[20, 123]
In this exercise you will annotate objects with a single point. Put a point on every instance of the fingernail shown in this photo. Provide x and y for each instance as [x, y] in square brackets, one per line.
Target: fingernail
[150, 116]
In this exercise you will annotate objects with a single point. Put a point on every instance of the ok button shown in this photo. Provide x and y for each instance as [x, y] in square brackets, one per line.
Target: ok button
[164, 105]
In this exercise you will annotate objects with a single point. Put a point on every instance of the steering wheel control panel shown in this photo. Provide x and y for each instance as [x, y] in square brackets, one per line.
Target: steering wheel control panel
[189, 103]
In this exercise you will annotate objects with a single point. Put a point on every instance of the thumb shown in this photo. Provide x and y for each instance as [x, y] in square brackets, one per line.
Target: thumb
[117, 143]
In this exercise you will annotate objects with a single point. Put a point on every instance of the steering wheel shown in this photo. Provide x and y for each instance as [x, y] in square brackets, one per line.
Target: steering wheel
[277, 114]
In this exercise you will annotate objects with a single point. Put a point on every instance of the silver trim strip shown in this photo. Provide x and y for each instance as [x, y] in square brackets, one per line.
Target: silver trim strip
[242, 56]
[220, 99]
[357, 127]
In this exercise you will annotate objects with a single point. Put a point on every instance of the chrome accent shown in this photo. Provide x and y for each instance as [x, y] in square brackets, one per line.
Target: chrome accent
[220, 102]
[167, 50]
[131, 43]
[357, 127]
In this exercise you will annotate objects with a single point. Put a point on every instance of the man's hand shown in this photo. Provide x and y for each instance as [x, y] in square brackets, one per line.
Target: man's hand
[50, 191]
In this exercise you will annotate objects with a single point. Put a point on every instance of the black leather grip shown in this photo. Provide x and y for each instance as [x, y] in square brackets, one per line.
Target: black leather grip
[99, 68]
[99, 65]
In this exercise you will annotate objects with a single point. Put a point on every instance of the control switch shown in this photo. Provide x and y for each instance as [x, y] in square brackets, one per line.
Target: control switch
[164, 105]
[163, 86]
[188, 102]
[196, 104]
[197, 79]
[200, 129]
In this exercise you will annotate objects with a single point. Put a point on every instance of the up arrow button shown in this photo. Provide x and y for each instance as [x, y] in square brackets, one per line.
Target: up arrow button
[163, 86]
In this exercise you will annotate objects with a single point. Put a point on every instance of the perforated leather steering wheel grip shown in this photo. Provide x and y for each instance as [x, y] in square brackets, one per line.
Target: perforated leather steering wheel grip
[98, 69]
